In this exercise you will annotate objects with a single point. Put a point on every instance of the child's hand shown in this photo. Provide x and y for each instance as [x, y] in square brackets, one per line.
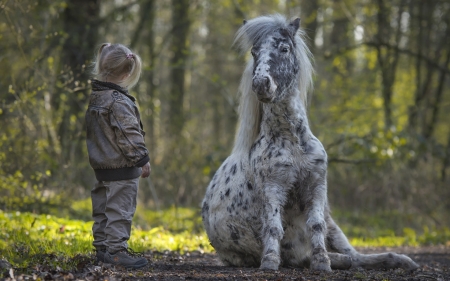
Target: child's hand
[146, 169]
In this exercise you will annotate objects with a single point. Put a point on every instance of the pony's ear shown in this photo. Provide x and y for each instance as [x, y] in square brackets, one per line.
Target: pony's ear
[244, 22]
[294, 25]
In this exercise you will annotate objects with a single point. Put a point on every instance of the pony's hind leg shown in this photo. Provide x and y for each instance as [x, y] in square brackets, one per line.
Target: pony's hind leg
[337, 242]
[384, 261]
[339, 249]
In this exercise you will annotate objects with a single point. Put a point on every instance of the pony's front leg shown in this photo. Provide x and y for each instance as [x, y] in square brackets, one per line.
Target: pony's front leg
[272, 230]
[317, 228]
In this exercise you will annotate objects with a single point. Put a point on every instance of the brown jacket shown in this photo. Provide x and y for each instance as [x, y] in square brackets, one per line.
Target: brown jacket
[115, 139]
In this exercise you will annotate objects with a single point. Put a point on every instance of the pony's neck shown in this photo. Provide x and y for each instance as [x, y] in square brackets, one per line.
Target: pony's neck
[286, 119]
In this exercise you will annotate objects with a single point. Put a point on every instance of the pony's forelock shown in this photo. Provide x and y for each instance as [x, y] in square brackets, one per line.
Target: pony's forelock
[255, 29]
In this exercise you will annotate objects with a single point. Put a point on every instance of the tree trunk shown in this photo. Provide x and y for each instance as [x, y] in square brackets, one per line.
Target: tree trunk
[309, 20]
[179, 47]
[430, 126]
[82, 30]
[80, 20]
[422, 85]
[340, 37]
[446, 160]
[146, 23]
[387, 58]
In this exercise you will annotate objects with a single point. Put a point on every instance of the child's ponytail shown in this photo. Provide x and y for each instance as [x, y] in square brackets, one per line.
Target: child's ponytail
[135, 72]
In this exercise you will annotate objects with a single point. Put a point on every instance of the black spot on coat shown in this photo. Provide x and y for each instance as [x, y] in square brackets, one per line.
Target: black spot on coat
[205, 207]
[233, 169]
[317, 228]
[234, 234]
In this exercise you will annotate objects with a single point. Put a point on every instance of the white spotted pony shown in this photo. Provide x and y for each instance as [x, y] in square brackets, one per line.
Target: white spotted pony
[267, 204]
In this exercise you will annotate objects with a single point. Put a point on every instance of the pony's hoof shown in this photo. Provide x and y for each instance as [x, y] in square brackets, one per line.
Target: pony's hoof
[409, 264]
[270, 262]
[321, 267]
[320, 262]
[340, 261]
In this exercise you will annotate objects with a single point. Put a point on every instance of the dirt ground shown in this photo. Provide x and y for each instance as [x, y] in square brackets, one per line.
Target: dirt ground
[434, 265]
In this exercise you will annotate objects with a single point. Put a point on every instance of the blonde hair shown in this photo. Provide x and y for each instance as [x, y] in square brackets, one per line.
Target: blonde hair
[113, 61]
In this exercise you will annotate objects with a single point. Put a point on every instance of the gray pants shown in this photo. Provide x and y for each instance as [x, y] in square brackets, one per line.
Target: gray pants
[113, 207]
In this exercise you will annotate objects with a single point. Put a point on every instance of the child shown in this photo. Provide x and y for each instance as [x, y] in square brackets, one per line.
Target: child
[117, 153]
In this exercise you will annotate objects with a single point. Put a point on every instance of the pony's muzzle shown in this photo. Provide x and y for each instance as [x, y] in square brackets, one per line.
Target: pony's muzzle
[260, 84]
[264, 88]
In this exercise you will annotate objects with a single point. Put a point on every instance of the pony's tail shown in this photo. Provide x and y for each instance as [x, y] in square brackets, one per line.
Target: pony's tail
[250, 114]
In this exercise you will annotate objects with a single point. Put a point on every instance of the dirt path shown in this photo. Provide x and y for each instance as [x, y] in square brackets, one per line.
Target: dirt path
[434, 265]
[434, 262]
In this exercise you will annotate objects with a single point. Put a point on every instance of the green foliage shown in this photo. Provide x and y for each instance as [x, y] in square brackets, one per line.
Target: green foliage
[173, 219]
[27, 237]
[389, 230]
[409, 237]
[27, 192]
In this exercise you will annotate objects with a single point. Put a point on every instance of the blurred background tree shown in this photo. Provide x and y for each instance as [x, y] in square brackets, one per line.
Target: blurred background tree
[381, 103]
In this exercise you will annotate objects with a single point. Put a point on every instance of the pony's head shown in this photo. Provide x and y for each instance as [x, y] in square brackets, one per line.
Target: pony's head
[280, 67]
[275, 66]
[281, 62]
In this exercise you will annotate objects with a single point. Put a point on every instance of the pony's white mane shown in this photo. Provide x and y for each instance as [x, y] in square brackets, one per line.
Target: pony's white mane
[250, 108]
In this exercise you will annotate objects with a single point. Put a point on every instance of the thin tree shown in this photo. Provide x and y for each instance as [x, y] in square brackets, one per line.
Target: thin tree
[180, 53]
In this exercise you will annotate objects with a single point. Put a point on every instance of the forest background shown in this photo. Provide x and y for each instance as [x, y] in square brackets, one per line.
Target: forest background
[380, 105]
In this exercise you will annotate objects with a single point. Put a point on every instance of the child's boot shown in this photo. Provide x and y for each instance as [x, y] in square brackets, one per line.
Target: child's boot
[125, 258]
[100, 254]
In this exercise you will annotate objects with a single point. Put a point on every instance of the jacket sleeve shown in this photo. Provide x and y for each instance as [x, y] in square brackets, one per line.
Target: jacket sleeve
[126, 126]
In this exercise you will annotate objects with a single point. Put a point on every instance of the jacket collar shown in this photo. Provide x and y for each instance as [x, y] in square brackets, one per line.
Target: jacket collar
[104, 86]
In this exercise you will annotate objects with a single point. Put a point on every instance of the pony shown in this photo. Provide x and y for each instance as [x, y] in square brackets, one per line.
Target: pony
[267, 204]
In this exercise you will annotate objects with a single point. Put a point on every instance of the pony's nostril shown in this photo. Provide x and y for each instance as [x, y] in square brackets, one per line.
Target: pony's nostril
[261, 83]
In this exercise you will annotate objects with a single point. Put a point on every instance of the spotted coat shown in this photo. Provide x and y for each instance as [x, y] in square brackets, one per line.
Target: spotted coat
[267, 203]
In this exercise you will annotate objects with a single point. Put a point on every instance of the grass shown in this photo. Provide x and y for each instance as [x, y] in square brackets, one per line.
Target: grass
[390, 229]
[409, 237]
[27, 239]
